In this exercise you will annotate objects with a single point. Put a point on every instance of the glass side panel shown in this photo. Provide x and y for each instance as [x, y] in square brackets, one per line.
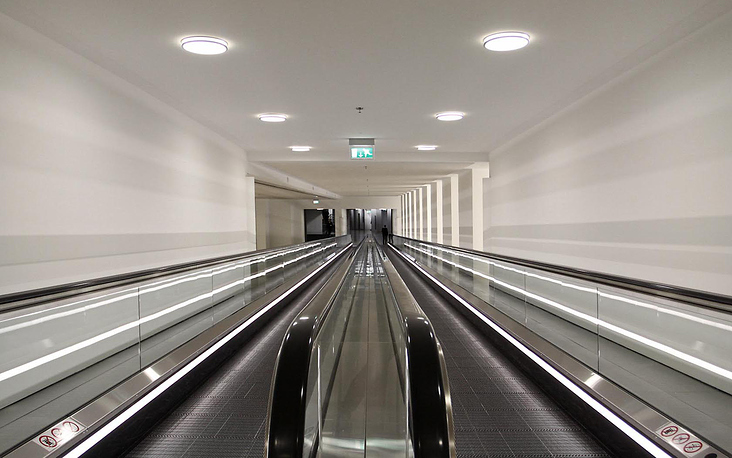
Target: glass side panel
[60, 355]
[357, 398]
[671, 355]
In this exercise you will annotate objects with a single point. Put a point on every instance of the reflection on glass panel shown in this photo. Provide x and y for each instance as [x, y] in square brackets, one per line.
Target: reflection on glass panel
[164, 303]
[699, 406]
[563, 311]
[58, 356]
[690, 339]
[401, 441]
[228, 280]
[258, 282]
[41, 345]
[358, 360]
[63, 350]
[273, 272]
[672, 355]
[34, 413]
[327, 349]
[162, 343]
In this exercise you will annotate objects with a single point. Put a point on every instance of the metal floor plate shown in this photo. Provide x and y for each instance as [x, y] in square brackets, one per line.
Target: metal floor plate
[498, 411]
[226, 416]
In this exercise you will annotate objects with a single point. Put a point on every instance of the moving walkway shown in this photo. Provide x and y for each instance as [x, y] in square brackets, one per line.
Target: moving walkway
[328, 349]
[371, 379]
[643, 368]
[89, 368]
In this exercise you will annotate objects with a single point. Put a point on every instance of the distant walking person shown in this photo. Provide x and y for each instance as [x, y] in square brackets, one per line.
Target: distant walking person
[384, 235]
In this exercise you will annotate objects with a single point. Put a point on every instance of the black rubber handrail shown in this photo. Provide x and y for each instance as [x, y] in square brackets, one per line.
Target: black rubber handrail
[288, 394]
[676, 293]
[41, 295]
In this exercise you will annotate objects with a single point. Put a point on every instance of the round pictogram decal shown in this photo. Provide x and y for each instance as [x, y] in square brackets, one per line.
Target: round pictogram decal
[71, 426]
[48, 441]
[681, 439]
[693, 447]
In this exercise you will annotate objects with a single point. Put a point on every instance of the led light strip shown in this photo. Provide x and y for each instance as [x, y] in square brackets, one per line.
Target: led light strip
[596, 321]
[244, 280]
[653, 307]
[151, 287]
[628, 430]
[92, 440]
[127, 326]
[40, 320]
[656, 308]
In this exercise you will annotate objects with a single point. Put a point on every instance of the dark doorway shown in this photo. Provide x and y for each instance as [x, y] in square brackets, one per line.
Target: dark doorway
[360, 221]
[319, 224]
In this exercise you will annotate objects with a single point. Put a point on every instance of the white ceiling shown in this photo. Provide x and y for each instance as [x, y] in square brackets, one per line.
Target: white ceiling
[266, 191]
[353, 178]
[402, 60]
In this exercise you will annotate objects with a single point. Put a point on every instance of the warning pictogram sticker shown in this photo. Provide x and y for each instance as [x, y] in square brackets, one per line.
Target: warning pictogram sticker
[48, 441]
[52, 438]
[71, 426]
[693, 447]
[681, 438]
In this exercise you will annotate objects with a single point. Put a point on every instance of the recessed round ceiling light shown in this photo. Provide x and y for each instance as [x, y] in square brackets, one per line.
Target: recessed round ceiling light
[272, 117]
[426, 147]
[506, 41]
[299, 149]
[450, 116]
[204, 45]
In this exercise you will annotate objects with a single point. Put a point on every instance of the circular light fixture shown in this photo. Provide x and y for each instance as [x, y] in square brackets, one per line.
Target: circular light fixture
[204, 45]
[272, 117]
[300, 149]
[316, 201]
[426, 147]
[450, 116]
[506, 41]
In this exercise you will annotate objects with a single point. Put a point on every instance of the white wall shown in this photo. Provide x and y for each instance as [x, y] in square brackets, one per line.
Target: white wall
[635, 179]
[427, 212]
[436, 211]
[398, 221]
[465, 208]
[447, 210]
[97, 177]
[283, 220]
[262, 218]
[341, 221]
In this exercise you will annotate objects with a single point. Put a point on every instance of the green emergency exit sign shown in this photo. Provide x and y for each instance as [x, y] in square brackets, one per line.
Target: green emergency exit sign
[362, 152]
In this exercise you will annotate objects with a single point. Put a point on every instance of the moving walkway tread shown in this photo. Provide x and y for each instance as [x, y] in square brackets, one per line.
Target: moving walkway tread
[498, 410]
[226, 415]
